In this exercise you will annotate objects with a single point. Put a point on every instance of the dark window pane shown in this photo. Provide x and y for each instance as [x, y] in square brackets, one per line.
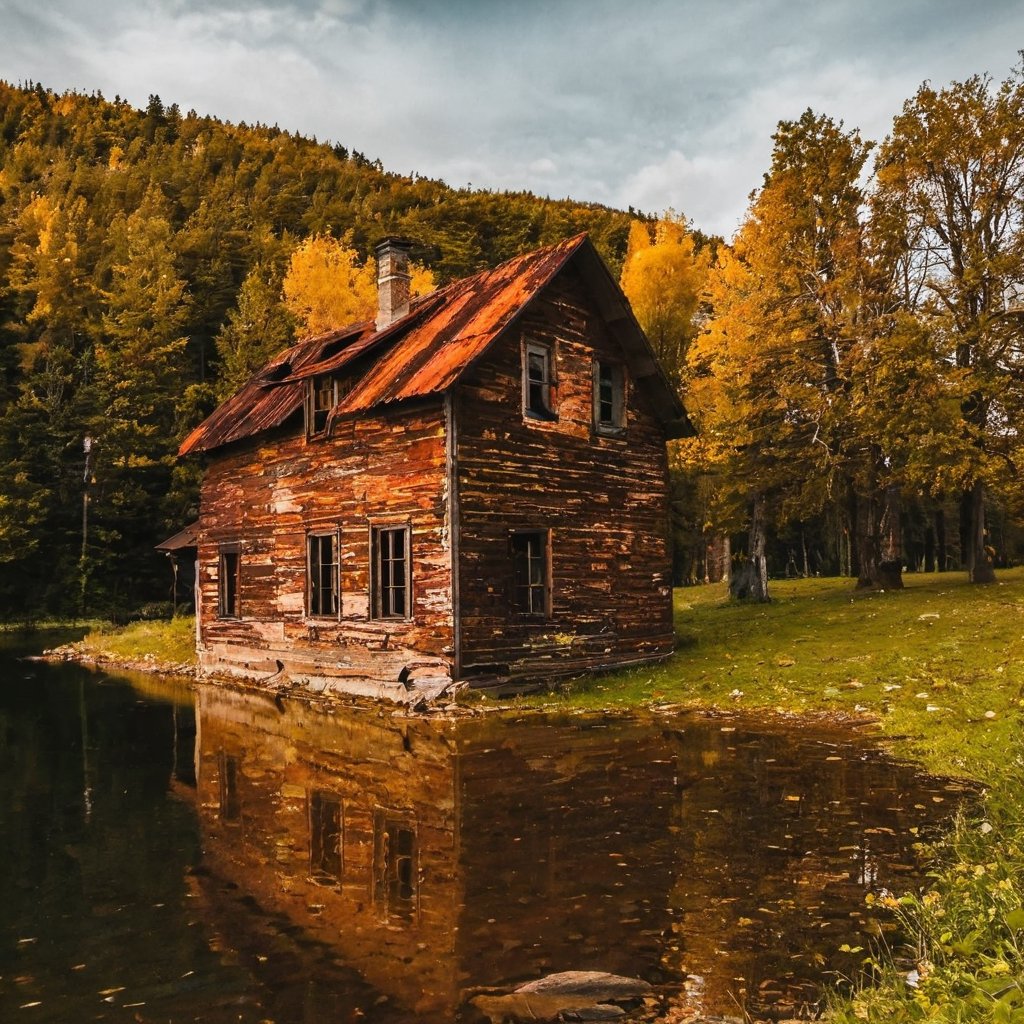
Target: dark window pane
[323, 574]
[390, 598]
[529, 573]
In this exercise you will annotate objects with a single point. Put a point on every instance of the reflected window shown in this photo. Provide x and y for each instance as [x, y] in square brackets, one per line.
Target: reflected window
[325, 823]
[396, 871]
[230, 805]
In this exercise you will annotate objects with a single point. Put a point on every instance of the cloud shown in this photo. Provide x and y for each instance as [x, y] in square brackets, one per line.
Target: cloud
[662, 104]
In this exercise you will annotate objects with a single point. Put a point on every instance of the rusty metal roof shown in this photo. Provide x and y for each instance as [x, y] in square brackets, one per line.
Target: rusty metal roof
[427, 351]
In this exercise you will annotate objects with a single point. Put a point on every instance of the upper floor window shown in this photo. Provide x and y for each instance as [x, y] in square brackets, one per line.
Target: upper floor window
[390, 575]
[229, 580]
[322, 574]
[538, 381]
[609, 398]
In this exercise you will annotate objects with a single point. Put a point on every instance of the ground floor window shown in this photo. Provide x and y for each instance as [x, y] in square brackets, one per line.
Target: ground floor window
[531, 572]
[390, 576]
[229, 578]
[323, 596]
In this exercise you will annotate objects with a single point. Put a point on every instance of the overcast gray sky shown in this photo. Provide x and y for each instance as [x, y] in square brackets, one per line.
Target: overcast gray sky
[651, 104]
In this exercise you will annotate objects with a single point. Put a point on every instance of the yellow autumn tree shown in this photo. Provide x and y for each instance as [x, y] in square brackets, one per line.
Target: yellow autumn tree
[326, 287]
[663, 276]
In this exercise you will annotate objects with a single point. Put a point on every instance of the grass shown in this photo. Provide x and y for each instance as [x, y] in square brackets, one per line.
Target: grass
[169, 640]
[939, 665]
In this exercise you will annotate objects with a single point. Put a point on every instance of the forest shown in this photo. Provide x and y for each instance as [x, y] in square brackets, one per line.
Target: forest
[852, 358]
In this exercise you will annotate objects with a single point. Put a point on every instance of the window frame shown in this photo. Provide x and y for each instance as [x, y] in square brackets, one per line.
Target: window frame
[314, 537]
[526, 610]
[548, 383]
[313, 410]
[378, 587]
[615, 426]
[229, 581]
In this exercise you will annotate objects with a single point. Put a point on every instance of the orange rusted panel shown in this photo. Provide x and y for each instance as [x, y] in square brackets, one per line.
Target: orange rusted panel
[424, 353]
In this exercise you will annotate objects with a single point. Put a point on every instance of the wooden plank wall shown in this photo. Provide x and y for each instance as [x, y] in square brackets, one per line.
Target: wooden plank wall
[267, 496]
[604, 499]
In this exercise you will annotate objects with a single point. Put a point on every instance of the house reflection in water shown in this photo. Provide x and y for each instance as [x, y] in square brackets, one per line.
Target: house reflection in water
[388, 866]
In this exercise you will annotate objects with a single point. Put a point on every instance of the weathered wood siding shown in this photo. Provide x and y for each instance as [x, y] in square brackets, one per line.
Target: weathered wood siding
[375, 768]
[268, 496]
[604, 500]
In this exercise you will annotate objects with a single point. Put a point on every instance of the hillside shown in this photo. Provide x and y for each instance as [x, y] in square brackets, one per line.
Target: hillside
[125, 237]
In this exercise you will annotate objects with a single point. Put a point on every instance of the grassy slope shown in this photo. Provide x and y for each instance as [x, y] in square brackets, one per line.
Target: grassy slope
[928, 662]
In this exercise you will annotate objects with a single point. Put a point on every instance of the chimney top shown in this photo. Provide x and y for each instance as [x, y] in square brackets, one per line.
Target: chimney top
[393, 280]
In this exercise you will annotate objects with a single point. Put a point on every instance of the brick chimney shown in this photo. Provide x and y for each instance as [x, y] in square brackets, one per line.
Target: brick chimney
[393, 279]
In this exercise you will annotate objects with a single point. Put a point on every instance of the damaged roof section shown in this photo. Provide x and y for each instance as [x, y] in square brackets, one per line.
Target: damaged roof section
[427, 351]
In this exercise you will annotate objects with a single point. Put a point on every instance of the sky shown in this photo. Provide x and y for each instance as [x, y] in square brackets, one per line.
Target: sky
[650, 104]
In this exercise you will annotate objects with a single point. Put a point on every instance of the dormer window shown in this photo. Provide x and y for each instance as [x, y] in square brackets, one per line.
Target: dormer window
[323, 395]
[321, 399]
[609, 398]
[538, 381]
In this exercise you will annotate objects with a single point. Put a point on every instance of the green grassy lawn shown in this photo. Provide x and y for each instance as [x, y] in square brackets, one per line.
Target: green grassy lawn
[172, 641]
[939, 665]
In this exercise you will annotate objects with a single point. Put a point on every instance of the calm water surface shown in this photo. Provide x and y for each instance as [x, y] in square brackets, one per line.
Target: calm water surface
[223, 858]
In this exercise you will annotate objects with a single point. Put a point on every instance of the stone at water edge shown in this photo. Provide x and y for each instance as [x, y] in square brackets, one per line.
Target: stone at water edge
[596, 985]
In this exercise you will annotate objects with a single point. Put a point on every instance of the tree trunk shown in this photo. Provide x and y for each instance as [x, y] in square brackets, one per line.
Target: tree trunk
[868, 547]
[750, 580]
[929, 548]
[890, 568]
[940, 540]
[978, 556]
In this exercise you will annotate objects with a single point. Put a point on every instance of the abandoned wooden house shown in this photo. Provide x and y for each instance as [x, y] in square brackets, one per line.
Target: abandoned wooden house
[473, 488]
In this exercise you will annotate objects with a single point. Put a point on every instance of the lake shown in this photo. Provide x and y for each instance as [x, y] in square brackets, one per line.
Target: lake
[173, 855]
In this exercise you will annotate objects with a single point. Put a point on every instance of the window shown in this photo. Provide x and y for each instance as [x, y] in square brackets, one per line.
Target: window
[389, 577]
[396, 873]
[322, 574]
[322, 398]
[229, 582]
[609, 398]
[230, 805]
[538, 381]
[530, 572]
[325, 823]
